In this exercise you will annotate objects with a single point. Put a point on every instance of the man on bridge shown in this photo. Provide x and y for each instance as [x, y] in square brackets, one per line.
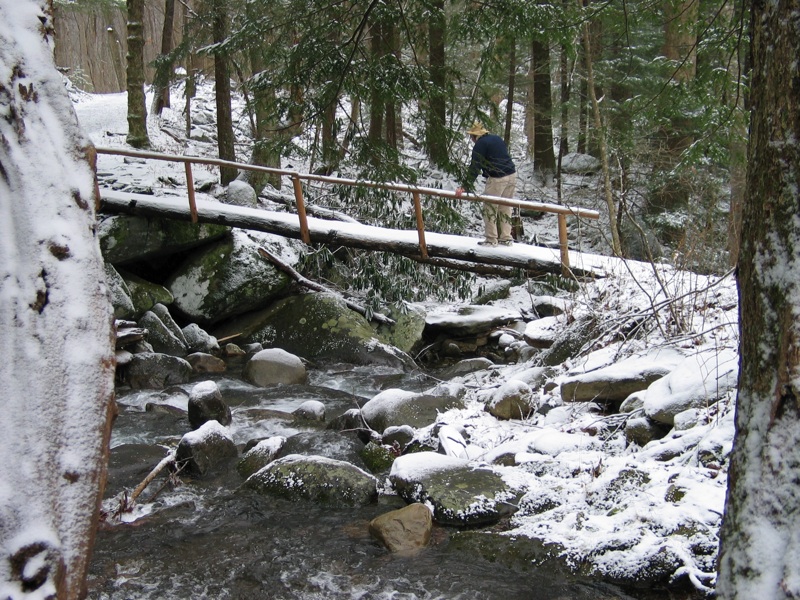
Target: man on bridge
[490, 157]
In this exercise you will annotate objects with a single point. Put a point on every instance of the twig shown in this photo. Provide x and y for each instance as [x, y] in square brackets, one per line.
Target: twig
[169, 459]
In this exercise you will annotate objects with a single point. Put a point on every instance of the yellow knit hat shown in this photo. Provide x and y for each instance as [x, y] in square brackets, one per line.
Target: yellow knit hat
[477, 129]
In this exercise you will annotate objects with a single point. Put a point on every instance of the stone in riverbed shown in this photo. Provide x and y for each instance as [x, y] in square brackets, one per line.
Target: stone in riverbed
[460, 494]
[405, 530]
[315, 478]
[201, 450]
[156, 371]
[273, 366]
[206, 404]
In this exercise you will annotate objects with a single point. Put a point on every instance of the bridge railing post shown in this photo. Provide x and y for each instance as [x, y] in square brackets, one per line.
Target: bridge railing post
[190, 190]
[563, 244]
[423, 247]
[305, 235]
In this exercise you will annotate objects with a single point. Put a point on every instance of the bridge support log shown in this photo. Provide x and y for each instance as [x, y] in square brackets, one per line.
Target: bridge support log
[534, 260]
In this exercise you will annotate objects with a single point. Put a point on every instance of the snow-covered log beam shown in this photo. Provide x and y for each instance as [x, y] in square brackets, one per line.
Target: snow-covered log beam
[534, 259]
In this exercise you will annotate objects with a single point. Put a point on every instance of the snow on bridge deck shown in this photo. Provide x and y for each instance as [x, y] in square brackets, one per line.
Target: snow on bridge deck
[447, 248]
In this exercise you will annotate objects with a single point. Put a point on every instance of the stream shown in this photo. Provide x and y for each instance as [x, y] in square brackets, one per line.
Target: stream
[206, 539]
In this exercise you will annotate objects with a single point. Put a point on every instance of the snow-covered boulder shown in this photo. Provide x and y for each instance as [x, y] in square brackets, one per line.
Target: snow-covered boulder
[156, 371]
[512, 400]
[161, 337]
[120, 294]
[201, 450]
[315, 478]
[394, 407]
[225, 279]
[273, 366]
[470, 320]
[617, 381]
[310, 410]
[241, 193]
[199, 340]
[697, 382]
[404, 530]
[260, 455]
[206, 404]
[579, 164]
[480, 498]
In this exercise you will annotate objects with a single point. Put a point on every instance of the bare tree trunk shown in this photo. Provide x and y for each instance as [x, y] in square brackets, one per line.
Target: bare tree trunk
[222, 84]
[544, 158]
[57, 355]
[137, 111]
[163, 76]
[436, 134]
[601, 138]
[512, 79]
[760, 536]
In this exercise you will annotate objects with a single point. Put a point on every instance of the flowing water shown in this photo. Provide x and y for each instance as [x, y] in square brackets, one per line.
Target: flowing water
[206, 539]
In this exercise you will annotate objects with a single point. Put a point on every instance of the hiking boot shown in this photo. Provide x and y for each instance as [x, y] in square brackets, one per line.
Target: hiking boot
[487, 243]
[506, 242]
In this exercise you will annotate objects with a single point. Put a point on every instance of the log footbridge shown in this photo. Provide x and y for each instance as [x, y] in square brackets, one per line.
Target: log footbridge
[445, 250]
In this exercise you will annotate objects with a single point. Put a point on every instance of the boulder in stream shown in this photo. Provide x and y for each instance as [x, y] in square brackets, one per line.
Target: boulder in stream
[315, 478]
[201, 450]
[394, 407]
[405, 530]
[156, 371]
[206, 404]
[460, 493]
[274, 365]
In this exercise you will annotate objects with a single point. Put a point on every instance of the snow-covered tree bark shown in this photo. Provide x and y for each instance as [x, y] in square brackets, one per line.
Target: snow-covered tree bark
[56, 347]
[761, 531]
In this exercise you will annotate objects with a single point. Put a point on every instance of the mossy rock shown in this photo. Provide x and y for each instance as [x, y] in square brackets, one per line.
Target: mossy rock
[319, 327]
[224, 280]
[126, 238]
[317, 479]
[145, 294]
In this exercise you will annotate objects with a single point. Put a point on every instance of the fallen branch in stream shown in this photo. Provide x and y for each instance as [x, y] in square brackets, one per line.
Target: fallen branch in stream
[291, 272]
[168, 460]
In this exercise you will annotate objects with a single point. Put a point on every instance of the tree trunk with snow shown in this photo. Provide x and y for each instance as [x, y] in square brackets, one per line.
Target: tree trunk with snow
[761, 531]
[137, 110]
[56, 355]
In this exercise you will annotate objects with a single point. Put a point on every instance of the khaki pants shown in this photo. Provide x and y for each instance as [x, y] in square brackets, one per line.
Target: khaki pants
[493, 214]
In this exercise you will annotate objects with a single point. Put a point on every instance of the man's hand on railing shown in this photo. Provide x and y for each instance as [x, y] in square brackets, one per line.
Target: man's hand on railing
[459, 192]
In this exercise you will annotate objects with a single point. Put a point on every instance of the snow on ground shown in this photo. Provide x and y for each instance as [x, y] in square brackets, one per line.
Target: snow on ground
[611, 504]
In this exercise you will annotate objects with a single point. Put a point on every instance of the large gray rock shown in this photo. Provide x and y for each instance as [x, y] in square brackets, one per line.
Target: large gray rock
[697, 382]
[260, 455]
[202, 450]
[206, 404]
[241, 193]
[470, 320]
[404, 530]
[156, 371]
[225, 279]
[199, 340]
[406, 333]
[395, 407]
[619, 380]
[329, 444]
[459, 493]
[315, 478]
[512, 400]
[120, 294]
[319, 327]
[273, 366]
[161, 337]
[125, 238]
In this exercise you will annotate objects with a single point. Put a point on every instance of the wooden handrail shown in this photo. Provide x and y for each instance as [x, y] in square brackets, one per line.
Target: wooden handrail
[416, 191]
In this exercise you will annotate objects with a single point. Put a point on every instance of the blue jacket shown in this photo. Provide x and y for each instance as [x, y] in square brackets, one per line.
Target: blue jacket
[490, 158]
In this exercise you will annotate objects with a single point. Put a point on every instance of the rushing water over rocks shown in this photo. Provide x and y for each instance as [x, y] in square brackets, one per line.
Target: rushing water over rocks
[210, 538]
